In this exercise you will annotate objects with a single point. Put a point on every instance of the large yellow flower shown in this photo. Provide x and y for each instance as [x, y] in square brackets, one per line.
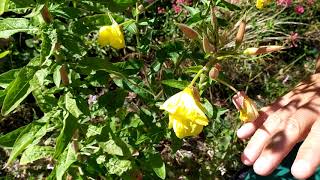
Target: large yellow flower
[248, 109]
[261, 3]
[111, 35]
[186, 114]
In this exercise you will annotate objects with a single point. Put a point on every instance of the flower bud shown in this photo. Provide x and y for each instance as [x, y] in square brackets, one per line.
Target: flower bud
[240, 34]
[262, 50]
[248, 109]
[141, 8]
[64, 75]
[214, 72]
[187, 31]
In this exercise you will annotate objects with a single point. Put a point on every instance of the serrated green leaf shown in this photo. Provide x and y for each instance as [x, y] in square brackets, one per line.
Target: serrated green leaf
[7, 77]
[19, 89]
[72, 106]
[10, 26]
[8, 139]
[34, 153]
[176, 83]
[67, 158]
[32, 132]
[117, 166]
[112, 148]
[69, 125]
[49, 39]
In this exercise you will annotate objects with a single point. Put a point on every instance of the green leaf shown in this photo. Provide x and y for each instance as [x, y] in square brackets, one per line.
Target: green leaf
[4, 53]
[57, 76]
[23, 3]
[3, 6]
[34, 153]
[7, 77]
[90, 23]
[117, 166]
[69, 125]
[157, 165]
[10, 26]
[20, 88]
[95, 64]
[8, 139]
[67, 158]
[225, 4]
[71, 105]
[112, 106]
[49, 40]
[32, 132]
[131, 27]
[176, 83]
[112, 148]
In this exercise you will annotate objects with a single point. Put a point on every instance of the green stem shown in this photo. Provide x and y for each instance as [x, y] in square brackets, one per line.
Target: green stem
[137, 21]
[227, 84]
[197, 76]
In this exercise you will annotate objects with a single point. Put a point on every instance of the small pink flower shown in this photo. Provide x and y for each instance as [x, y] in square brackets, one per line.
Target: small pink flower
[161, 10]
[285, 3]
[299, 9]
[177, 9]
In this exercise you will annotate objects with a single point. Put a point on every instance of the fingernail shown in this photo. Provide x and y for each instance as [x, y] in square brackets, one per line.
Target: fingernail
[300, 168]
[261, 166]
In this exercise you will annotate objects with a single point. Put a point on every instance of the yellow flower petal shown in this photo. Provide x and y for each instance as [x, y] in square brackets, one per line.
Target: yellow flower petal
[186, 114]
[111, 35]
[183, 128]
[248, 109]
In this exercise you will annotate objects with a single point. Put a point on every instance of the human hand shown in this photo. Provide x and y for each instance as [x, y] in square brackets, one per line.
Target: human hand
[291, 119]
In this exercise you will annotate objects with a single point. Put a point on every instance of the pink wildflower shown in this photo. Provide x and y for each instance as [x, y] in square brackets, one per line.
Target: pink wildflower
[299, 9]
[285, 3]
[161, 10]
[177, 9]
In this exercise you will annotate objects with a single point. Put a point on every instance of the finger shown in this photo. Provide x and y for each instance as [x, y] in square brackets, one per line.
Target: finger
[261, 137]
[290, 132]
[308, 157]
[264, 134]
[248, 129]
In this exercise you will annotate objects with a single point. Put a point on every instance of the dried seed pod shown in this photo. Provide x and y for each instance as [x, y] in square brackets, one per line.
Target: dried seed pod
[187, 31]
[207, 46]
[214, 72]
[262, 50]
[240, 34]
[213, 18]
[64, 75]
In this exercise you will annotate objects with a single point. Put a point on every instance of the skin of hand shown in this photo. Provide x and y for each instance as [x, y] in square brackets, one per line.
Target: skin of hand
[291, 119]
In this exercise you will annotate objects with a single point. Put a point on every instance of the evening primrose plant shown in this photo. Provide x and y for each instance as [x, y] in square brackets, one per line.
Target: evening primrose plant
[119, 89]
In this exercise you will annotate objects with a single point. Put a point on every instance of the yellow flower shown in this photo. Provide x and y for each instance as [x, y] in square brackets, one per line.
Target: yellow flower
[186, 114]
[111, 35]
[248, 109]
[261, 3]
